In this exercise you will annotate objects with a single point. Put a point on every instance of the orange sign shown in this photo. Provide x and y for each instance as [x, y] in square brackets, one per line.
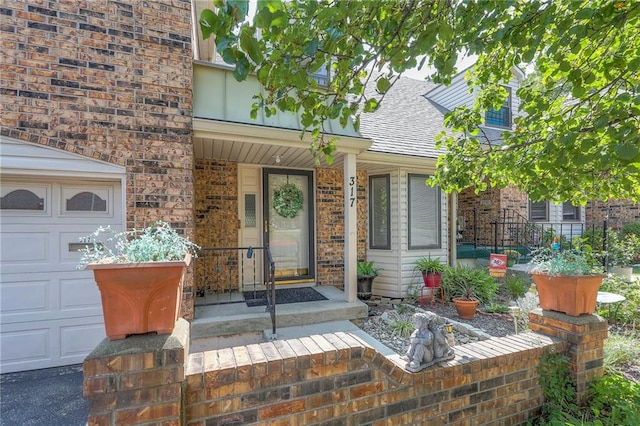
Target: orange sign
[498, 265]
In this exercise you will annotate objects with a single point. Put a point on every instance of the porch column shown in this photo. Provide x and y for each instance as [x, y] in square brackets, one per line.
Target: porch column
[453, 229]
[350, 228]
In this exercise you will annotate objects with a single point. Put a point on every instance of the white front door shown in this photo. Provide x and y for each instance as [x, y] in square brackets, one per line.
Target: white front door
[51, 313]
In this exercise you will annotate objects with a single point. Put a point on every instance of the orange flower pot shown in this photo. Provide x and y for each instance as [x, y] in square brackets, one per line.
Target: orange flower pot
[569, 294]
[139, 298]
[466, 308]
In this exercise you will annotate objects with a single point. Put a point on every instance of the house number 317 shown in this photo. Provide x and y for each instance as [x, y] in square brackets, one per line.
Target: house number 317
[352, 190]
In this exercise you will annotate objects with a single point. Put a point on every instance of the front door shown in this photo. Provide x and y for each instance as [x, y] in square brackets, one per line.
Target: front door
[288, 223]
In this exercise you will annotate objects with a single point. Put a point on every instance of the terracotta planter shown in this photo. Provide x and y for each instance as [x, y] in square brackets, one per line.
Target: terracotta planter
[431, 279]
[569, 294]
[139, 298]
[466, 308]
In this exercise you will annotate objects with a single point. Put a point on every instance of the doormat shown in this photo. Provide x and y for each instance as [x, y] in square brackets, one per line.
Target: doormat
[283, 296]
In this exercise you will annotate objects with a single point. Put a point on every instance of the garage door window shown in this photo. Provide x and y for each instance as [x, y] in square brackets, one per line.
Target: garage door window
[23, 199]
[83, 200]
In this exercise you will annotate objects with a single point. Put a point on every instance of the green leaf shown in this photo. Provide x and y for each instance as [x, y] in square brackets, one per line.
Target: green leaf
[240, 8]
[627, 151]
[383, 85]
[370, 105]
[311, 48]
[585, 13]
[250, 45]
[208, 22]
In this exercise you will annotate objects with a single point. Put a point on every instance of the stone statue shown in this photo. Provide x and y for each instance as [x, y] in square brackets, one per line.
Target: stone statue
[428, 344]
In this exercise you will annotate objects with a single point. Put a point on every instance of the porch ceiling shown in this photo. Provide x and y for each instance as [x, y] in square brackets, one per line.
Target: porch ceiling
[258, 153]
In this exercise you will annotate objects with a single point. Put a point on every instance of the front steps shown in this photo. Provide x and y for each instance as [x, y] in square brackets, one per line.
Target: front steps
[221, 322]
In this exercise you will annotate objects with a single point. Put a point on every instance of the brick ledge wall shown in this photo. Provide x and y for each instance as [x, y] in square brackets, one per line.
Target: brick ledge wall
[333, 379]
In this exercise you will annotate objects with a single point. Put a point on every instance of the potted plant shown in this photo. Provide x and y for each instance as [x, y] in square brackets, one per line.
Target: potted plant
[622, 251]
[468, 286]
[431, 270]
[366, 274]
[140, 275]
[566, 281]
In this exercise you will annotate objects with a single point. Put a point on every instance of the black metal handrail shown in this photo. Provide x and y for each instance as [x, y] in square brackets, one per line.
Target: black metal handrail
[270, 274]
[226, 271]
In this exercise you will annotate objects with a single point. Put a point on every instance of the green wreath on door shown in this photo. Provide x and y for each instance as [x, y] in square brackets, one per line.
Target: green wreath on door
[288, 200]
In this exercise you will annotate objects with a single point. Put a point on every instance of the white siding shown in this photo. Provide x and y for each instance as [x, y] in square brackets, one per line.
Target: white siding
[397, 274]
[457, 94]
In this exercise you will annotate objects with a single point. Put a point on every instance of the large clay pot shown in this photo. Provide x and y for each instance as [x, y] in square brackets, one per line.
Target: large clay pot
[431, 279]
[569, 294]
[466, 308]
[139, 298]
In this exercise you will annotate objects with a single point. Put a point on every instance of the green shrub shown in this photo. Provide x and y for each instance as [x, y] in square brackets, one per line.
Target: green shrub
[631, 228]
[515, 287]
[495, 308]
[615, 400]
[462, 279]
[627, 311]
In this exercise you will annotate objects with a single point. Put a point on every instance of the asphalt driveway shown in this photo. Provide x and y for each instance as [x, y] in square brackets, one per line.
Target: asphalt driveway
[51, 396]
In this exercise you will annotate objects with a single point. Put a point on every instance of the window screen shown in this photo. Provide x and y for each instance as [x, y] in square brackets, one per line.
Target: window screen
[379, 212]
[570, 212]
[538, 211]
[424, 213]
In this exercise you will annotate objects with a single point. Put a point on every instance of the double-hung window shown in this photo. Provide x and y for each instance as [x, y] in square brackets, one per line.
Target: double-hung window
[379, 212]
[538, 211]
[570, 212]
[500, 117]
[424, 214]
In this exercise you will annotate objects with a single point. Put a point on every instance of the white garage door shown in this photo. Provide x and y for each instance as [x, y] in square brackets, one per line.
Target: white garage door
[51, 312]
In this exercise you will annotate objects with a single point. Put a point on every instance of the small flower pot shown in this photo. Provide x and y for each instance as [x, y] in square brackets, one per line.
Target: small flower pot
[431, 279]
[466, 308]
[140, 298]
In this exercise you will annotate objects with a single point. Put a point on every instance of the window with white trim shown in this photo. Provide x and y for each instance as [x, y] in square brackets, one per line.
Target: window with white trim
[380, 212]
[570, 212]
[502, 116]
[538, 211]
[424, 214]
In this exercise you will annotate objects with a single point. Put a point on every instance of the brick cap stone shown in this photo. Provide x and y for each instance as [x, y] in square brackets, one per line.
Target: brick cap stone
[558, 316]
[144, 343]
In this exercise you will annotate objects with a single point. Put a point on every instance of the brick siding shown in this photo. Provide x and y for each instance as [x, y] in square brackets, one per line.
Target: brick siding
[111, 81]
[618, 212]
[330, 223]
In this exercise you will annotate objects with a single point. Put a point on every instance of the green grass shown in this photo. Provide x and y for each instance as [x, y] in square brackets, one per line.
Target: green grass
[620, 350]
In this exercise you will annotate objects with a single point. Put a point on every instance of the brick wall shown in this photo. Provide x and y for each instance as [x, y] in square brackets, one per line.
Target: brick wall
[137, 380]
[216, 220]
[337, 379]
[489, 205]
[334, 379]
[109, 80]
[330, 224]
[619, 213]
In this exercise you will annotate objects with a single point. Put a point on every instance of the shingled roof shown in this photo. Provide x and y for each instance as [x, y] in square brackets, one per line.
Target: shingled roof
[406, 122]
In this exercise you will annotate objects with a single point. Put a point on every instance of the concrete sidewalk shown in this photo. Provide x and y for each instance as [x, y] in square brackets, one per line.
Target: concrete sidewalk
[51, 396]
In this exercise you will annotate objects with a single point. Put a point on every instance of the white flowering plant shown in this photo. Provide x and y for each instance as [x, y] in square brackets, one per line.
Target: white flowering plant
[158, 242]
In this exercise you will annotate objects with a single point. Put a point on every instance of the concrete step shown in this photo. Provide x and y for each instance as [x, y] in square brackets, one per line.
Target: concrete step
[236, 318]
